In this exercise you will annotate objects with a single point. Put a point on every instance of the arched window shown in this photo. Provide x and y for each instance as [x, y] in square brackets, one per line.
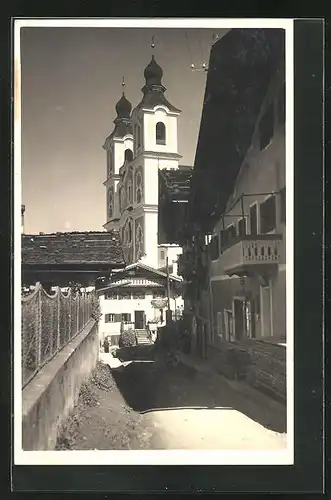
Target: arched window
[128, 155]
[160, 133]
[130, 192]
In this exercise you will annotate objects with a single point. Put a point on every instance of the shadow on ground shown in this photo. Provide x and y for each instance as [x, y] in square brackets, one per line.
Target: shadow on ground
[154, 386]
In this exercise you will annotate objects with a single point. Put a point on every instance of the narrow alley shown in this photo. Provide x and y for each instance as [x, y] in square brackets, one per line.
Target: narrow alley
[143, 404]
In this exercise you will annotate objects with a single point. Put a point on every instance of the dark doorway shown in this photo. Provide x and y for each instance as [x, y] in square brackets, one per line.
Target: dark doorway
[239, 319]
[139, 320]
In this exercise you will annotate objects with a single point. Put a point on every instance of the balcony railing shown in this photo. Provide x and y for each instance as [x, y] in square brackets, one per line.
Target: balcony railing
[251, 253]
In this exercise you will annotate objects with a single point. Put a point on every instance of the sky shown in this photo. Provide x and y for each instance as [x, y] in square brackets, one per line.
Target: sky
[71, 81]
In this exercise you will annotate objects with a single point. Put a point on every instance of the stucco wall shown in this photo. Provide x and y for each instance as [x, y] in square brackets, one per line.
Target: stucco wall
[51, 395]
[109, 306]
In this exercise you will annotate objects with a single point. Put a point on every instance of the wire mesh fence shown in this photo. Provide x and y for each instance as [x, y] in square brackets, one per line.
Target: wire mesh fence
[49, 322]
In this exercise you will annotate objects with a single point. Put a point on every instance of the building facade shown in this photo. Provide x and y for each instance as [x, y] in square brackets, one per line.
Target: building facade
[248, 245]
[142, 151]
[234, 256]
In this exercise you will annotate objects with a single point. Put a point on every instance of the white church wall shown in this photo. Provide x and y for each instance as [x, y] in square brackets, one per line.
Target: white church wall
[151, 249]
[170, 122]
[151, 182]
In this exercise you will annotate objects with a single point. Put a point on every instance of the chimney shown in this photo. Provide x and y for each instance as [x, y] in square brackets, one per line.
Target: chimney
[22, 218]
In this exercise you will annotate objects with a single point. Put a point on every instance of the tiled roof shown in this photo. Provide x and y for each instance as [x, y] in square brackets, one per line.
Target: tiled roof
[95, 247]
[178, 181]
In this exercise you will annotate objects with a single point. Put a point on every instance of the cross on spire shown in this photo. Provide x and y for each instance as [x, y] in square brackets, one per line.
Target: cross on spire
[123, 82]
[153, 44]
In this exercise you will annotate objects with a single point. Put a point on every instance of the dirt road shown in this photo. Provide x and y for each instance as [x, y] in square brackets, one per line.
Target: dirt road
[145, 405]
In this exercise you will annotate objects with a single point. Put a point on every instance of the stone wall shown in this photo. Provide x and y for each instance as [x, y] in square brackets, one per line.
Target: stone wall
[261, 364]
[53, 392]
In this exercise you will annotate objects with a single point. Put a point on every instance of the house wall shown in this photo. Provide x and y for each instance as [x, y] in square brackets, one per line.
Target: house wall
[116, 306]
[261, 172]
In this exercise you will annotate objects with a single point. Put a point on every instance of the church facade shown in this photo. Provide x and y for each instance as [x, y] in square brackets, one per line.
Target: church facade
[144, 142]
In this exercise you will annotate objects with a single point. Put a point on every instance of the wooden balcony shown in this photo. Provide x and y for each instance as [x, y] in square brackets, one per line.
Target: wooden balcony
[252, 254]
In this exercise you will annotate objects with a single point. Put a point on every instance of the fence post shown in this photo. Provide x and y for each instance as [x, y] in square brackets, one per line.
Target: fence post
[58, 317]
[39, 328]
[78, 304]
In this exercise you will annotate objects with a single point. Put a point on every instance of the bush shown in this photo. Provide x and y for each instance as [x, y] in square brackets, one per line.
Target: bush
[96, 309]
[127, 339]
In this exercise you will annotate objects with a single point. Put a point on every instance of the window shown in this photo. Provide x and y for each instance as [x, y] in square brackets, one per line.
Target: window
[253, 219]
[129, 192]
[220, 324]
[126, 317]
[281, 104]
[112, 318]
[266, 127]
[282, 197]
[268, 215]
[128, 155]
[138, 295]
[227, 235]
[214, 248]
[242, 227]
[159, 294]
[124, 295]
[162, 255]
[111, 295]
[160, 133]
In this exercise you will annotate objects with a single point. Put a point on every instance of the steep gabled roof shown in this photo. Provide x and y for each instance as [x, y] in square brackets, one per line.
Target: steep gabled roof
[95, 247]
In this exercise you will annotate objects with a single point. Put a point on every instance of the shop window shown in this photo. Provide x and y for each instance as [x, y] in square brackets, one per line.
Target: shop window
[266, 127]
[160, 133]
[268, 215]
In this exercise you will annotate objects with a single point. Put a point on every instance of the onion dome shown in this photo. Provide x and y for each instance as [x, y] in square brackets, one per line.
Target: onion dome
[123, 107]
[153, 73]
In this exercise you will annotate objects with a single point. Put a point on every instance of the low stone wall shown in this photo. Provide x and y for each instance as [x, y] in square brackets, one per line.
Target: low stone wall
[260, 364]
[53, 392]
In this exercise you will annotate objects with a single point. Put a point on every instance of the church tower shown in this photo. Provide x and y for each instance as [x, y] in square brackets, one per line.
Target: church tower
[155, 146]
[119, 148]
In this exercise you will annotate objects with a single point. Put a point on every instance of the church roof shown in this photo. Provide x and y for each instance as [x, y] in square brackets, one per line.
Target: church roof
[71, 248]
[123, 107]
[153, 90]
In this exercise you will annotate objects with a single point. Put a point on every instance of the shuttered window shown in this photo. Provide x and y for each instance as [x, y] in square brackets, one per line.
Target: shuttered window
[268, 215]
[126, 317]
[112, 318]
[242, 227]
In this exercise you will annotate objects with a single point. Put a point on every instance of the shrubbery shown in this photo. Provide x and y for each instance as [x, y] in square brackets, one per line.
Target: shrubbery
[127, 339]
